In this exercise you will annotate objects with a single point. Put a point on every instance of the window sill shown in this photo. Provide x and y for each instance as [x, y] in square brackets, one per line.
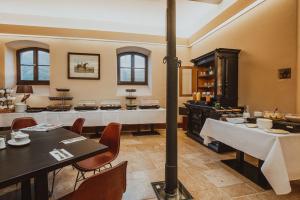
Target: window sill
[33, 83]
[130, 83]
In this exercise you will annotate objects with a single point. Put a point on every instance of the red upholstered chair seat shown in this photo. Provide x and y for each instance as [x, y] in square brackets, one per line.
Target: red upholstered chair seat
[23, 122]
[95, 162]
[78, 126]
[110, 184]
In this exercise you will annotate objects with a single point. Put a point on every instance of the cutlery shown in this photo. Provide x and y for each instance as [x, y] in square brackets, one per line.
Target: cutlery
[59, 155]
[62, 152]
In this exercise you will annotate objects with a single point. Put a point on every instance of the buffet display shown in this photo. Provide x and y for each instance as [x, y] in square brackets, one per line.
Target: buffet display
[86, 105]
[7, 100]
[64, 104]
[149, 104]
[130, 99]
[63, 98]
[110, 104]
[269, 121]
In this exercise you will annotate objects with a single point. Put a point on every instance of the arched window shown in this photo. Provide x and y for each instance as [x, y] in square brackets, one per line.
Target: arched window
[33, 66]
[133, 65]
[132, 69]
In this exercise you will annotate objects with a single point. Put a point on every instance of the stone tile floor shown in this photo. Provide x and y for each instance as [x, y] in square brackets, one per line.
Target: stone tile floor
[200, 170]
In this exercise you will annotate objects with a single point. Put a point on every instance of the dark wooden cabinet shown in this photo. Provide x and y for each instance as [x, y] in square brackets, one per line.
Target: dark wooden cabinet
[217, 76]
[197, 114]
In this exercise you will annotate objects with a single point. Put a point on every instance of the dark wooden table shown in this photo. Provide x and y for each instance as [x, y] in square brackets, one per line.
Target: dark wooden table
[20, 164]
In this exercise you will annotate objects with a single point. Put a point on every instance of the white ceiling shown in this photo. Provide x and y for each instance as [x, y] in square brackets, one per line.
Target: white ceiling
[132, 16]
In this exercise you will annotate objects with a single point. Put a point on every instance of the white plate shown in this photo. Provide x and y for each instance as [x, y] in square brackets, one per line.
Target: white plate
[14, 143]
[236, 120]
[251, 125]
[276, 131]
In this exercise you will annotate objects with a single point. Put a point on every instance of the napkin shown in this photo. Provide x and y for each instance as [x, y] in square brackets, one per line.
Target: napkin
[72, 140]
[42, 127]
[60, 154]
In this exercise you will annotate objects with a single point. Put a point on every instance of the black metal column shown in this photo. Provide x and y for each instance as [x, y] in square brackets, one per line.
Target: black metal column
[171, 188]
[172, 88]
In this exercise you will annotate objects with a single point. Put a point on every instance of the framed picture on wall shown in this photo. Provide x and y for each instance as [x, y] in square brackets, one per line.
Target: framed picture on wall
[83, 66]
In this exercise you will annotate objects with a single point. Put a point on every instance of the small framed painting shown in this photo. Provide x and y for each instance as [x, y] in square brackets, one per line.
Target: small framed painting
[84, 66]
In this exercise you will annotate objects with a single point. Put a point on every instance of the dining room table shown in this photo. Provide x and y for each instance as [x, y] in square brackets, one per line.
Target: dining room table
[277, 154]
[21, 164]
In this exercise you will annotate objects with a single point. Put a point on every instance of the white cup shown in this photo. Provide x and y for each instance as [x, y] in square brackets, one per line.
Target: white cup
[12, 135]
[2, 143]
[21, 137]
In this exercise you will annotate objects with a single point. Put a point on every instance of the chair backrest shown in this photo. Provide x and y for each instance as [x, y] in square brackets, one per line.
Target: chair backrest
[78, 125]
[111, 138]
[23, 122]
[110, 184]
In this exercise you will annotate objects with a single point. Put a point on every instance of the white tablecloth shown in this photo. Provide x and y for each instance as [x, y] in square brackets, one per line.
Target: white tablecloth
[280, 152]
[93, 118]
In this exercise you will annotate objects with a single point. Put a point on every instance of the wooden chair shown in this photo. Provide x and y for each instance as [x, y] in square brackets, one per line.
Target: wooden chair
[23, 122]
[78, 126]
[111, 138]
[110, 184]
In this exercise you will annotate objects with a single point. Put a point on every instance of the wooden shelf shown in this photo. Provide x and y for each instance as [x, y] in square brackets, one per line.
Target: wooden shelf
[60, 98]
[131, 97]
[62, 90]
[207, 76]
[206, 87]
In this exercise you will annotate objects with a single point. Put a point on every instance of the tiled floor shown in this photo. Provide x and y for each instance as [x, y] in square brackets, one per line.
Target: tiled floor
[200, 170]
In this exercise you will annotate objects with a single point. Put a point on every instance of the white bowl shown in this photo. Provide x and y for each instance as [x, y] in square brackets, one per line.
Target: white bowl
[264, 123]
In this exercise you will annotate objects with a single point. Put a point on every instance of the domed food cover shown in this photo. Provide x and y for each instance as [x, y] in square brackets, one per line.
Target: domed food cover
[86, 105]
[149, 104]
[110, 104]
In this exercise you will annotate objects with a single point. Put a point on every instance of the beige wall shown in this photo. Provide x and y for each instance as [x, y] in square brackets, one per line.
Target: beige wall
[2, 64]
[106, 87]
[10, 67]
[267, 37]
[298, 60]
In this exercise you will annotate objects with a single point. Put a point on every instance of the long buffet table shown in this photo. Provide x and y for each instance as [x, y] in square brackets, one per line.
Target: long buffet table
[93, 118]
[279, 153]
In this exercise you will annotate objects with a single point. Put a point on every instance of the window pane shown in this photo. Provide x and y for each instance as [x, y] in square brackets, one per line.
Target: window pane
[125, 74]
[139, 61]
[43, 58]
[44, 72]
[139, 75]
[27, 73]
[26, 58]
[125, 61]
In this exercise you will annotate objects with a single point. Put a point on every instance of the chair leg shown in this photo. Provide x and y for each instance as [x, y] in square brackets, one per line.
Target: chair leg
[76, 180]
[82, 175]
[53, 181]
[79, 178]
